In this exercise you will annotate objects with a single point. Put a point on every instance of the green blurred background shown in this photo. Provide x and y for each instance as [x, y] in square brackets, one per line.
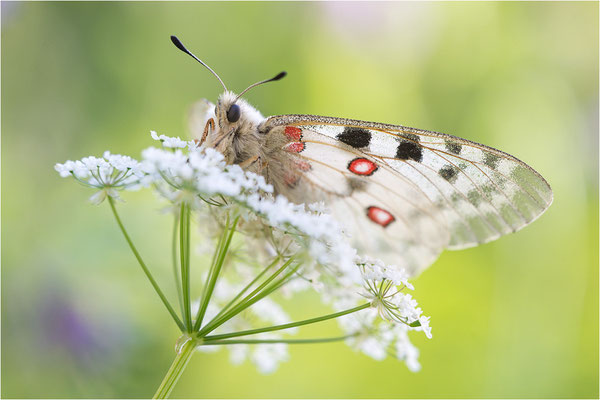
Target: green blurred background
[514, 318]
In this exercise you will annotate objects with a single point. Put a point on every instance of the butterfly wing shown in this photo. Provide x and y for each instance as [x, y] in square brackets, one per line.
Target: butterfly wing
[439, 191]
[384, 212]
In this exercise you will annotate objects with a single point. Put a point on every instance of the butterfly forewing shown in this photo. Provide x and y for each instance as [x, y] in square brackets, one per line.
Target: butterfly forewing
[428, 182]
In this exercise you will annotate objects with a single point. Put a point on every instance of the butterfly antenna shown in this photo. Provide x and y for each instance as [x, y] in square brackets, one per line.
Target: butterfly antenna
[181, 47]
[275, 78]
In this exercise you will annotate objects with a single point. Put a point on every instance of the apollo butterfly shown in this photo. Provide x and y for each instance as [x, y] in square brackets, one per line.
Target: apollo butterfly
[404, 194]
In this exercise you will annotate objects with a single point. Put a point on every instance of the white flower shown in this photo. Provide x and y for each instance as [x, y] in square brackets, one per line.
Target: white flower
[407, 352]
[123, 163]
[424, 322]
[383, 286]
[201, 172]
[373, 347]
[268, 356]
[383, 328]
[321, 233]
[375, 269]
[108, 174]
[65, 169]
[169, 141]
[237, 353]
[377, 338]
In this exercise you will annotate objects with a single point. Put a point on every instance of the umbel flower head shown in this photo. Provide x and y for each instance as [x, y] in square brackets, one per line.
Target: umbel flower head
[108, 174]
[262, 244]
[383, 287]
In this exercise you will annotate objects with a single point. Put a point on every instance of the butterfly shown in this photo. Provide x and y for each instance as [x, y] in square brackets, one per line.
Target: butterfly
[403, 194]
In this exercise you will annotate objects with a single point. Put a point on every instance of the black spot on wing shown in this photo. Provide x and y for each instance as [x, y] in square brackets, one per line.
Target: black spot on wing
[491, 160]
[456, 198]
[449, 173]
[356, 185]
[474, 197]
[453, 147]
[409, 151]
[355, 137]
[409, 136]
[488, 190]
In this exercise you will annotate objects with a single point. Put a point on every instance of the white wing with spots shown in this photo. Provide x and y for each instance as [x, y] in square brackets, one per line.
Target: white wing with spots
[384, 213]
[481, 192]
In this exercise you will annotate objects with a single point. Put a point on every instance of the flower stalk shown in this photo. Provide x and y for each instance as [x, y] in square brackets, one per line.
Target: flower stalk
[214, 272]
[143, 265]
[176, 370]
[174, 257]
[184, 254]
[275, 341]
[286, 326]
[259, 293]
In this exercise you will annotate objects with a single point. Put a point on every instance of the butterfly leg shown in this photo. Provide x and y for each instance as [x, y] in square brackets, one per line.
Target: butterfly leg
[249, 162]
[256, 164]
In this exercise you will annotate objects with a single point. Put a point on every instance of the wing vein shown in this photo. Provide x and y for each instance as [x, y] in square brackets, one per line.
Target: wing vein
[489, 198]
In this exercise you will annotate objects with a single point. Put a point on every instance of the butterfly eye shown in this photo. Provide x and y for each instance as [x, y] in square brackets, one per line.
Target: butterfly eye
[233, 114]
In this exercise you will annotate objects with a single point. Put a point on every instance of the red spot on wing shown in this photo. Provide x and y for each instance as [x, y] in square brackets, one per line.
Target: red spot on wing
[293, 133]
[362, 166]
[294, 147]
[291, 179]
[302, 165]
[380, 216]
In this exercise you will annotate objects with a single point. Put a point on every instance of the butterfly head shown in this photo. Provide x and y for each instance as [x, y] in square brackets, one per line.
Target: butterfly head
[233, 120]
[232, 112]
[233, 115]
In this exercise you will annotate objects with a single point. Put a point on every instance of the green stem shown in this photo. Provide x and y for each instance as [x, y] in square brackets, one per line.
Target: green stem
[250, 299]
[184, 243]
[214, 274]
[287, 341]
[175, 266]
[248, 286]
[286, 326]
[176, 370]
[146, 271]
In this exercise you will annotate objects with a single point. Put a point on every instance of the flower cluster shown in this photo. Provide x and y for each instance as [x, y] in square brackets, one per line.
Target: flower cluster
[108, 174]
[306, 243]
[200, 171]
[383, 288]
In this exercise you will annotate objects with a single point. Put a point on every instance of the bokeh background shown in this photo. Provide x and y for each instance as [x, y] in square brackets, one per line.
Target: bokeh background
[513, 318]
